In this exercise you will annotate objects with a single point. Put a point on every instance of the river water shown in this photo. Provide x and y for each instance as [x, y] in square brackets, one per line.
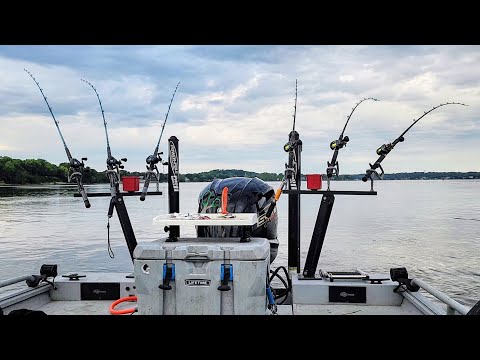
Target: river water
[409, 223]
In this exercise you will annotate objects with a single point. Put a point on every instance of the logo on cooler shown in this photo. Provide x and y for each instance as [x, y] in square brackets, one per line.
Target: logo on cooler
[197, 282]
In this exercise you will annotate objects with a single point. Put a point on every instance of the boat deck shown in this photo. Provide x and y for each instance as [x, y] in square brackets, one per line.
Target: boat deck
[94, 294]
[92, 307]
[101, 307]
[344, 310]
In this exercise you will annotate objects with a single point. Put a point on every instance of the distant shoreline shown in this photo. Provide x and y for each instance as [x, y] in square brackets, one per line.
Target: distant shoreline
[36, 184]
[41, 172]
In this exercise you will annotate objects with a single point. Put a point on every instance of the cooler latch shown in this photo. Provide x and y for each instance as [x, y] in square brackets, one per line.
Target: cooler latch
[226, 275]
[168, 275]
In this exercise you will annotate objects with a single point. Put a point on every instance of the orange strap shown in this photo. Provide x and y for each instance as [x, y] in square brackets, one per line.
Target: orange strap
[123, 311]
[224, 200]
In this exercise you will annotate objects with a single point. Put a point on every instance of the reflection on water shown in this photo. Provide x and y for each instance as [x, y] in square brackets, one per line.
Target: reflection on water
[409, 223]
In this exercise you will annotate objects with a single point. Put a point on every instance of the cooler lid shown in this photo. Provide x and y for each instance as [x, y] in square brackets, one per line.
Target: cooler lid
[204, 248]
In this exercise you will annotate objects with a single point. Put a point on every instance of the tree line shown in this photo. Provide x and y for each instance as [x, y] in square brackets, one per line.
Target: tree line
[39, 171]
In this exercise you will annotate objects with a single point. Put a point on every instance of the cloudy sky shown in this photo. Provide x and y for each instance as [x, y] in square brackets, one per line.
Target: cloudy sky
[234, 105]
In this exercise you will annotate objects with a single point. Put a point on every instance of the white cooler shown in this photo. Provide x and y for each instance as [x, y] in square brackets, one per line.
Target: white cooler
[190, 273]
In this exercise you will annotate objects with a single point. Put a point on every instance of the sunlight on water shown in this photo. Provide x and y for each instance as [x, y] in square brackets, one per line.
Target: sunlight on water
[409, 223]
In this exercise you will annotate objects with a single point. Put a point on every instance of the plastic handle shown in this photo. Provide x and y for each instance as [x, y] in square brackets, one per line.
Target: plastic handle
[270, 209]
[278, 193]
[85, 199]
[224, 200]
[111, 206]
[82, 192]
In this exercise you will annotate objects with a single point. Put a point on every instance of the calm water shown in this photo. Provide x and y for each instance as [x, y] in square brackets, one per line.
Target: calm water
[409, 223]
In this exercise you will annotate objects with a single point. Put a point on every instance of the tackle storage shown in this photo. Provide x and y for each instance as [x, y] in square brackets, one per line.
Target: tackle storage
[215, 276]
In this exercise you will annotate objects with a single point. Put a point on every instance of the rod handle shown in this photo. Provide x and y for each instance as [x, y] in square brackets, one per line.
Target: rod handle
[82, 192]
[145, 188]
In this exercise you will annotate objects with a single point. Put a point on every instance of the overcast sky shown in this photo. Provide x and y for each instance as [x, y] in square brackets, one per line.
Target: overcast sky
[234, 105]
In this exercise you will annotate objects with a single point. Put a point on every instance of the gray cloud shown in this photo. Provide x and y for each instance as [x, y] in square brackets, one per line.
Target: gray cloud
[235, 103]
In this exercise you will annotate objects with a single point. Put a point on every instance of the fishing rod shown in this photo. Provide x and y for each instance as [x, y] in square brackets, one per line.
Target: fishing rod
[113, 165]
[76, 167]
[113, 170]
[336, 145]
[290, 145]
[291, 168]
[153, 160]
[290, 177]
[385, 149]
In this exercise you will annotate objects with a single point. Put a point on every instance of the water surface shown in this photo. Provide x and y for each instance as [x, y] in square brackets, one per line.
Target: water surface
[409, 223]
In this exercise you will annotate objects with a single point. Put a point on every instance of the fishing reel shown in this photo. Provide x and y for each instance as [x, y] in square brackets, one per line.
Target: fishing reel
[386, 148]
[76, 167]
[113, 167]
[153, 160]
[338, 144]
[112, 162]
[290, 146]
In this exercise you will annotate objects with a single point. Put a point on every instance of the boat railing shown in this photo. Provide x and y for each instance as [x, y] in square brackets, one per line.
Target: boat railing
[28, 278]
[452, 305]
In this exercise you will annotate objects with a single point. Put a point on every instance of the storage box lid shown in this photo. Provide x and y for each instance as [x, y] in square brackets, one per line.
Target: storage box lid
[207, 249]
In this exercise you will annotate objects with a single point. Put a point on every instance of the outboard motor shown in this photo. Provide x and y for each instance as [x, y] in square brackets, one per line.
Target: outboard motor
[245, 195]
